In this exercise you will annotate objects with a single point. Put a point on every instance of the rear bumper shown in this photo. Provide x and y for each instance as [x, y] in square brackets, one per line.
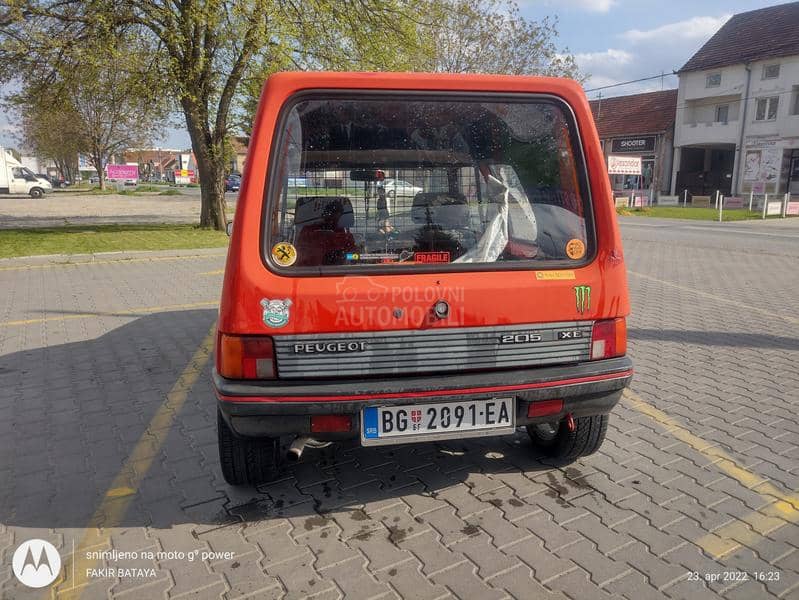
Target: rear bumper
[264, 408]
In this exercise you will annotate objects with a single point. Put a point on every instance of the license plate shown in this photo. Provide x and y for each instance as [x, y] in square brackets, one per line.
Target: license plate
[416, 422]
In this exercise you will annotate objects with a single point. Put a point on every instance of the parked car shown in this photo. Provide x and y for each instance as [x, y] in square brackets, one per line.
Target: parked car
[232, 183]
[497, 301]
[94, 179]
[398, 187]
[55, 181]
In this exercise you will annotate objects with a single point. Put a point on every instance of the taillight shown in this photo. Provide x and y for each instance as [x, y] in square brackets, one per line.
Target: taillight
[245, 357]
[609, 339]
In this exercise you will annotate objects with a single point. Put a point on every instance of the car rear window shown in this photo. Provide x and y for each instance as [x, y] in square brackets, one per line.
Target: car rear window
[364, 183]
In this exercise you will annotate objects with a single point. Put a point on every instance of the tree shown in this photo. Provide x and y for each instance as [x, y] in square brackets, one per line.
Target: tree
[206, 48]
[116, 106]
[97, 100]
[52, 132]
[455, 36]
[491, 36]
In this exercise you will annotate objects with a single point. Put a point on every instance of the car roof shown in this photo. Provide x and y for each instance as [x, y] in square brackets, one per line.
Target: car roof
[298, 80]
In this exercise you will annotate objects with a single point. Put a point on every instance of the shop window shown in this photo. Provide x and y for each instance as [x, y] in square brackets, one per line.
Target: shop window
[767, 108]
[722, 113]
[795, 104]
[713, 80]
[771, 71]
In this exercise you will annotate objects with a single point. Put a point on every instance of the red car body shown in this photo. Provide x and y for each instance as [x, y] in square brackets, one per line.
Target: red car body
[251, 394]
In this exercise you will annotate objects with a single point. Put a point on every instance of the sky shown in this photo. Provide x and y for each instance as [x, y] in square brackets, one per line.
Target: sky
[613, 41]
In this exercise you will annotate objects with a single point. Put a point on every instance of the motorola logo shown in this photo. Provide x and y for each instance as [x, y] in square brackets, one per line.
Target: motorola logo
[36, 563]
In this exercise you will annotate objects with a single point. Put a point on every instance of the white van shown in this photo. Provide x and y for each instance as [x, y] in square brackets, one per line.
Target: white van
[17, 179]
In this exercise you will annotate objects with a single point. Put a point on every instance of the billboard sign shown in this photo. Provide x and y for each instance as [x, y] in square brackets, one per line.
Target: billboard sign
[122, 171]
[184, 176]
[644, 144]
[624, 165]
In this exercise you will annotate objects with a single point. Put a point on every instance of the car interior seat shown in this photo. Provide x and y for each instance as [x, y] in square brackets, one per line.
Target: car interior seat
[446, 221]
[322, 227]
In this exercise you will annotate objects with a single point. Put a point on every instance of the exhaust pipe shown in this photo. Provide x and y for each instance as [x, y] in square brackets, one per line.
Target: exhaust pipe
[296, 448]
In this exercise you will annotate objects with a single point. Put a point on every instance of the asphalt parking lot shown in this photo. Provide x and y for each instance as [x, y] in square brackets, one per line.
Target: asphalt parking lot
[74, 208]
[107, 442]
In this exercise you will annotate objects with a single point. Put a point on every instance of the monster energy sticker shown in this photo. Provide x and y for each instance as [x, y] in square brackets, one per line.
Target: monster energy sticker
[582, 295]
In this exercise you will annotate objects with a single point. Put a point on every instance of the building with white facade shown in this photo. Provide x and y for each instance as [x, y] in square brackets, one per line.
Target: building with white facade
[737, 121]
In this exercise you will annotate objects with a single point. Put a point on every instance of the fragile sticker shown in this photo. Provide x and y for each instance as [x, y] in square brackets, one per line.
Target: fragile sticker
[554, 275]
[284, 254]
[431, 257]
[575, 249]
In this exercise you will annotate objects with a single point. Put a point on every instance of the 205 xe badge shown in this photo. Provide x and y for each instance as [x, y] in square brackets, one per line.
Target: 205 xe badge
[519, 338]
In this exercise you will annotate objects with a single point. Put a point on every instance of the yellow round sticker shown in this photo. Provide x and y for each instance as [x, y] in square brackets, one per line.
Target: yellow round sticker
[284, 254]
[575, 249]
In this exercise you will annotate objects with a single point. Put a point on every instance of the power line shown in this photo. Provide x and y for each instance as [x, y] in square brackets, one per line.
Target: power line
[605, 87]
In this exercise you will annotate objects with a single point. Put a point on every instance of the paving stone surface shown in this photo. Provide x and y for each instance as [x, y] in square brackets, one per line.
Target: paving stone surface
[693, 495]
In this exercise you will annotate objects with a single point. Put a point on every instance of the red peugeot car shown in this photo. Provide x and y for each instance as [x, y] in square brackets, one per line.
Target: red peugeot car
[486, 293]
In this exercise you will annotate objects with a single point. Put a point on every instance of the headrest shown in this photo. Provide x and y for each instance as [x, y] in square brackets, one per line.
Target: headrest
[317, 209]
[445, 209]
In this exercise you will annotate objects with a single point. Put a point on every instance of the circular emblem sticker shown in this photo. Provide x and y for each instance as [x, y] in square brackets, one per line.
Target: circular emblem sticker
[575, 249]
[36, 563]
[284, 254]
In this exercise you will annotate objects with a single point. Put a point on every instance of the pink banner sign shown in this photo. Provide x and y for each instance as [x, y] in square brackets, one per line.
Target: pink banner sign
[122, 171]
[733, 202]
[792, 208]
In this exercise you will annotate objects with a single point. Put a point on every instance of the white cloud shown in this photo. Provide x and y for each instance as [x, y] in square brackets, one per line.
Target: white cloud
[695, 28]
[611, 56]
[607, 67]
[601, 6]
[647, 53]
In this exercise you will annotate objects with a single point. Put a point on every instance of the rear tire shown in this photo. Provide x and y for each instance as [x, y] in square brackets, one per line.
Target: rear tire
[246, 461]
[556, 441]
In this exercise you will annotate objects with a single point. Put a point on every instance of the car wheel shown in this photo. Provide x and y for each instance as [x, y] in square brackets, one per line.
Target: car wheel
[556, 441]
[37, 193]
[246, 461]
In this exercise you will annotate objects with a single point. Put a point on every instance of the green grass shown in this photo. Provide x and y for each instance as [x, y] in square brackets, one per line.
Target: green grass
[106, 238]
[696, 214]
[152, 187]
[170, 192]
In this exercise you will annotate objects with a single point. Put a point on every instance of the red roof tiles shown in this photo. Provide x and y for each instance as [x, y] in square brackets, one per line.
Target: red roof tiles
[755, 35]
[638, 114]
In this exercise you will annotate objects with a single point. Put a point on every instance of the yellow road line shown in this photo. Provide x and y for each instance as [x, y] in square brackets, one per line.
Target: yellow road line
[112, 313]
[758, 309]
[110, 261]
[217, 272]
[783, 510]
[111, 511]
